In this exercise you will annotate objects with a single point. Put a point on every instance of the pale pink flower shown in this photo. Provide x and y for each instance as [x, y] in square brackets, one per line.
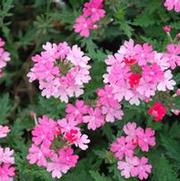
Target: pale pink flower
[167, 83]
[172, 53]
[122, 148]
[38, 155]
[63, 50]
[62, 162]
[112, 114]
[142, 170]
[127, 165]
[4, 130]
[94, 118]
[176, 111]
[172, 5]
[6, 156]
[4, 56]
[82, 142]
[130, 129]
[146, 138]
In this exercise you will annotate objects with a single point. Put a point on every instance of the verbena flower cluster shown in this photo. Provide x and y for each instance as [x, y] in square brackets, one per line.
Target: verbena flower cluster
[106, 109]
[136, 71]
[61, 71]
[52, 145]
[7, 169]
[172, 5]
[53, 140]
[4, 56]
[124, 149]
[92, 12]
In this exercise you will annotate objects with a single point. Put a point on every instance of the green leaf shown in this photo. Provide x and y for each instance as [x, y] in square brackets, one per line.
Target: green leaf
[163, 171]
[97, 177]
[177, 102]
[172, 148]
[5, 107]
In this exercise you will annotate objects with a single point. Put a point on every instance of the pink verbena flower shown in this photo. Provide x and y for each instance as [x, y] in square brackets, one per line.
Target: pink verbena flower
[131, 73]
[146, 138]
[45, 131]
[142, 170]
[94, 118]
[127, 166]
[130, 129]
[109, 106]
[83, 26]
[75, 112]
[62, 162]
[51, 145]
[167, 83]
[4, 56]
[92, 12]
[61, 71]
[122, 148]
[172, 53]
[158, 111]
[172, 4]
[4, 130]
[6, 156]
[39, 155]
[73, 134]
[7, 172]
[94, 9]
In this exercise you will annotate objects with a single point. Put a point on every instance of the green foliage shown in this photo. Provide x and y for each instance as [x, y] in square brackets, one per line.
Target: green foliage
[162, 170]
[26, 25]
[97, 177]
[5, 107]
[172, 148]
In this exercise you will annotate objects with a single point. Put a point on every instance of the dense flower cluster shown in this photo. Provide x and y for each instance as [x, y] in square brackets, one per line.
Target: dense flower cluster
[61, 71]
[106, 109]
[136, 72]
[51, 147]
[124, 150]
[172, 4]
[92, 12]
[7, 170]
[4, 56]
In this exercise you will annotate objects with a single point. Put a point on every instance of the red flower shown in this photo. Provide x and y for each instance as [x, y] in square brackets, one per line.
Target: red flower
[129, 61]
[134, 79]
[158, 111]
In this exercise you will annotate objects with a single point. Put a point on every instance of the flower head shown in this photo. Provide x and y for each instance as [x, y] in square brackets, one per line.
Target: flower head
[61, 70]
